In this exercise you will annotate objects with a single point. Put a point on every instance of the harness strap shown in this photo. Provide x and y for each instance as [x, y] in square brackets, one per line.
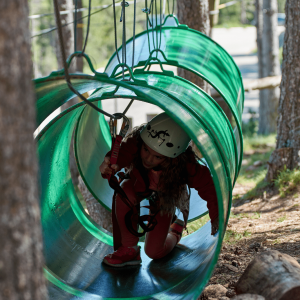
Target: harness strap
[133, 214]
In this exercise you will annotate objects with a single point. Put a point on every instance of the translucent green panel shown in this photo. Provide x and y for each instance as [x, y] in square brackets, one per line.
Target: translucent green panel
[177, 109]
[93, 133]
[75, 245]
[52, 92]
[189, 49]
[206, 108]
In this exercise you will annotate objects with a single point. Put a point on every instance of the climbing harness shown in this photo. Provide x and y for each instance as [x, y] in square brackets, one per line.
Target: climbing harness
[133, 215]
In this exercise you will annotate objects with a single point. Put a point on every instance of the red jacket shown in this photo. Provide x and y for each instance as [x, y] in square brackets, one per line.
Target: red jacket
[199, 176]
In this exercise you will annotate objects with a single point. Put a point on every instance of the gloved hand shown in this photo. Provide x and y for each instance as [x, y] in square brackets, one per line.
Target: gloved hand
[215, 226]
[106, 168]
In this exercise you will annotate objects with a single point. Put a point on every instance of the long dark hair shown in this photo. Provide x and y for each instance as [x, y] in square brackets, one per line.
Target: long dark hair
[174, 176]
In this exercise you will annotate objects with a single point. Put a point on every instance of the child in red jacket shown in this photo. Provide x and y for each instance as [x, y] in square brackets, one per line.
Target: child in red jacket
[157, 158]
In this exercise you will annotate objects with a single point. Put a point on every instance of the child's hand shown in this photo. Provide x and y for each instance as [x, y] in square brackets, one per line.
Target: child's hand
[107, 169]
[215, 226]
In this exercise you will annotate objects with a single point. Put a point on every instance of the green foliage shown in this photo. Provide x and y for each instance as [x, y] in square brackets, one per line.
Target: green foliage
[287, 180]
[246, 233]
[256, 215]
[195, 225]
[101, 41]
[249, 129]
[43, 51]
[238, 216]
[281, 6]
[232, 237]
[281, 219]
[259, 142]
[261, 146]
[231, 16]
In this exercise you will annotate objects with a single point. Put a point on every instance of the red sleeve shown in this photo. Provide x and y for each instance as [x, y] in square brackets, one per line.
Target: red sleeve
[127, 152]
[201, 180]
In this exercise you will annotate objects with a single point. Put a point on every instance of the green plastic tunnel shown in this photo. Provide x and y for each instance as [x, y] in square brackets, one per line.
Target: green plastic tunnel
[74, 245]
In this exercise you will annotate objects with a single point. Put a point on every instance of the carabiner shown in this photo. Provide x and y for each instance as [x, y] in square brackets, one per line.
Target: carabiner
[113, 125]
[117, 139]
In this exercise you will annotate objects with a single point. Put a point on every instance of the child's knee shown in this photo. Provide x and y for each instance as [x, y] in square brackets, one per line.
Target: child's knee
[152, 253]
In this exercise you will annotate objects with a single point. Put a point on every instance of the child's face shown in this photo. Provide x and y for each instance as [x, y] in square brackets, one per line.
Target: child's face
[151, 158]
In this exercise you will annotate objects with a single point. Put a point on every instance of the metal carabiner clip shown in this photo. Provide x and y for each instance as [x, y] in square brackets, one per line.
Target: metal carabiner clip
[113, 125]
[117, 139]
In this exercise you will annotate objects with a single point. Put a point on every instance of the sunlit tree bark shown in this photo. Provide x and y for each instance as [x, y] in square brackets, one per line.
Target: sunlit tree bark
[270, 67]
[195, 14]
[287, 152]
[21, 258]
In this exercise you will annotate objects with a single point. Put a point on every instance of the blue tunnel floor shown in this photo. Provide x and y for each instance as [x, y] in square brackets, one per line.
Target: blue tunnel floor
[169, 277]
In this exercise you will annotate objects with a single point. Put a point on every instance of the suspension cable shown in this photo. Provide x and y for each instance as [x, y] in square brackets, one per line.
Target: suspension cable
[164, 9]
[160, 24]
[133, 40]
[173, 8]
[156, 34]
[66, 71]
[115, 28]
[88, 28]
[75, 25]
[123, 36]
[45, 31]
[128, 106]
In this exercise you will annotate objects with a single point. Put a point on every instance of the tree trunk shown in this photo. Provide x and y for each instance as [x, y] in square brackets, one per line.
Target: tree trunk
[274, 275]
[68, 37]
[287, 150]
[259, 34]
[195, 14]
[270, 62]
[21, 258]
[213, 18]
[68, 32]
[243, 12]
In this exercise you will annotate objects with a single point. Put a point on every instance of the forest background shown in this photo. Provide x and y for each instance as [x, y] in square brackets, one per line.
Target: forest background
[101, 37]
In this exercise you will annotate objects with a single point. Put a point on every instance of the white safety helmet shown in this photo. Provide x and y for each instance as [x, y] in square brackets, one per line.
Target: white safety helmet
[165, 136]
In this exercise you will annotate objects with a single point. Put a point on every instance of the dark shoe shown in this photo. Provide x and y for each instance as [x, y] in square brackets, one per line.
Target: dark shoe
[176, 228]
[124, 256]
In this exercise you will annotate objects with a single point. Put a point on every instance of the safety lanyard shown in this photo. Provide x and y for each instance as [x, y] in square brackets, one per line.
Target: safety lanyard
[117, 138]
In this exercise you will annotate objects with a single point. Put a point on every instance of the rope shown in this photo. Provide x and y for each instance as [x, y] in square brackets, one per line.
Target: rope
[172, 9]
[63, 54]
[160, 24]
[164, 9]
[115, 28]
[128, 106]
[133, 40]
[124, 56]
[75, 26]
[88, 28]
[64, 12]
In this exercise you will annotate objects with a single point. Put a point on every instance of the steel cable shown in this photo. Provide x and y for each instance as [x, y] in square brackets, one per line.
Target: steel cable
[66, 71]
